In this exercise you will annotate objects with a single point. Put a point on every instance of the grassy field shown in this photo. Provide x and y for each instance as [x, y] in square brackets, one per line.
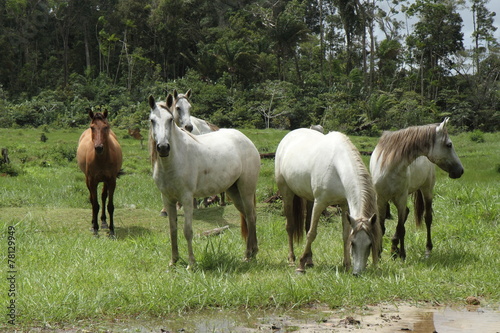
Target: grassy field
[64, 275]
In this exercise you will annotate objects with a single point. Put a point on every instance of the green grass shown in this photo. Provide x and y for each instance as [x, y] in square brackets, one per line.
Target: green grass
[66, 275]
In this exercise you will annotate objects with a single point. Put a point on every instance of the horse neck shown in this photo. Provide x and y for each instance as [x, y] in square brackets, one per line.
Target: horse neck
[401, 148]
[360, 196]
[359, 190]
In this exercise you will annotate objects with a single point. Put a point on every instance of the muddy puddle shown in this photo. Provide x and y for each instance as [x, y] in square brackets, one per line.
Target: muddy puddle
[381, 318]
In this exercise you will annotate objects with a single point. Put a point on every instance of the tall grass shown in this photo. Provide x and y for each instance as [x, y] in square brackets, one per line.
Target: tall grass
[65, 274]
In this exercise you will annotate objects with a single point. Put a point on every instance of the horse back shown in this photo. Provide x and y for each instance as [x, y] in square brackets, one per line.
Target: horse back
[308, 162]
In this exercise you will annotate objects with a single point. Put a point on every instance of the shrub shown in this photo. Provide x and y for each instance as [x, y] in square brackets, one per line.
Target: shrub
[477, 136]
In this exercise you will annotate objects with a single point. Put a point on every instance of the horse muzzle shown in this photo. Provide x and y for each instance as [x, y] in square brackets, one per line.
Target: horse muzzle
[99, 149]
[163, 150]
[456, 173]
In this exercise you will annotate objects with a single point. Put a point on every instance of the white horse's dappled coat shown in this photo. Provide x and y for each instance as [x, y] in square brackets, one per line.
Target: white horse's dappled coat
[326, 170]
[187, 166]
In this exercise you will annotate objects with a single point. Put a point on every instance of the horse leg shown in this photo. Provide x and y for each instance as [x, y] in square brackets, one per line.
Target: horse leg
[428, 224]
[287, 198]
[399, 235]
[92, 186]
[309, 208]
[311, 236]
[172, 219]
[111, 207]
[244, 201]
[188, 229]
[223, 198]
[104, 197]
[346, 232]
[383, 213]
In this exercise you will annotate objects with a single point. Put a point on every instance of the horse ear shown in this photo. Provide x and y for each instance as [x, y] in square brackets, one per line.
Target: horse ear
[169, 101]
[442, 126]
[152, 102]
[175, 94]
[90, 113]
[352, 221]
[105, 113]
[188, 94]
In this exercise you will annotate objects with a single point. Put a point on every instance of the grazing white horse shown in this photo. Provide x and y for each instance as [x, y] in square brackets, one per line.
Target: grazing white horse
[187, 166]
[402, 164]
[326, 170]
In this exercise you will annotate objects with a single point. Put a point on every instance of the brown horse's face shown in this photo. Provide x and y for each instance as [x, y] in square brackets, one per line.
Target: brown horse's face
[100, 130]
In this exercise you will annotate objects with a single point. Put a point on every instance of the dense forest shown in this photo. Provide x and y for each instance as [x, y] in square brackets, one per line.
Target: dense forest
[350, 65]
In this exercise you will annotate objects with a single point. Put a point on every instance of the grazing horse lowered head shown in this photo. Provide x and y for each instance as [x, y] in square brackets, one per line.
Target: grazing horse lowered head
[99, 156]
[314, 170]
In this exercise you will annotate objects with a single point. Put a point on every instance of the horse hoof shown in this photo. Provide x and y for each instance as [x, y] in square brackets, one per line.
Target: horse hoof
[163, 213]
[104, 225]
[300, 271]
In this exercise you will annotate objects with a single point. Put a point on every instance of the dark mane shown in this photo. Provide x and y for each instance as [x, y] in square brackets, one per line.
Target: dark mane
[406, 144]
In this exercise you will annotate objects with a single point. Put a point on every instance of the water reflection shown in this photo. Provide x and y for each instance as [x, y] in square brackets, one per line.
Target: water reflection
[380, 319]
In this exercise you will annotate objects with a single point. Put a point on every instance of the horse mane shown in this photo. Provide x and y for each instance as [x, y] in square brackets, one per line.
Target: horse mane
[368, 195]
[368, 203]
[406, 144]
[213, 127]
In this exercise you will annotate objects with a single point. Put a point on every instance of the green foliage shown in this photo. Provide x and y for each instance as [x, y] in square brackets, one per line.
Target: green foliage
[477, 136]
[115, 55]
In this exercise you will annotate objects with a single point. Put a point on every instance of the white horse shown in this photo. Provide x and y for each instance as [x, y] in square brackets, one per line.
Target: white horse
[196, 126]
[183, 118]
[326, 170]
[185, 166]
[401, 164]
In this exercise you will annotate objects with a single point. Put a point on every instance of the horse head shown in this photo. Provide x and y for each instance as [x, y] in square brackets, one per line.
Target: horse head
[162, 121]
[100, 129]
[365, 236]
[443, 154]
[182, 110]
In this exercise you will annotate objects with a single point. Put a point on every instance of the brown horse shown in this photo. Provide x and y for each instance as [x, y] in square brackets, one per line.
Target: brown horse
[99, 156]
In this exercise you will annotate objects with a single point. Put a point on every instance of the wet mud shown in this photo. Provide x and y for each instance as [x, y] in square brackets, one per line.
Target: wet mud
[380, 318]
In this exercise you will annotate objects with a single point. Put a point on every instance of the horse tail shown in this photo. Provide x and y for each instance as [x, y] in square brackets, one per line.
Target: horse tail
[418, 207]
[298, 220]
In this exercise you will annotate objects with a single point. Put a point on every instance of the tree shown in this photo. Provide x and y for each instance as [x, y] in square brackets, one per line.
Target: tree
[436, 36]
[484, 29]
